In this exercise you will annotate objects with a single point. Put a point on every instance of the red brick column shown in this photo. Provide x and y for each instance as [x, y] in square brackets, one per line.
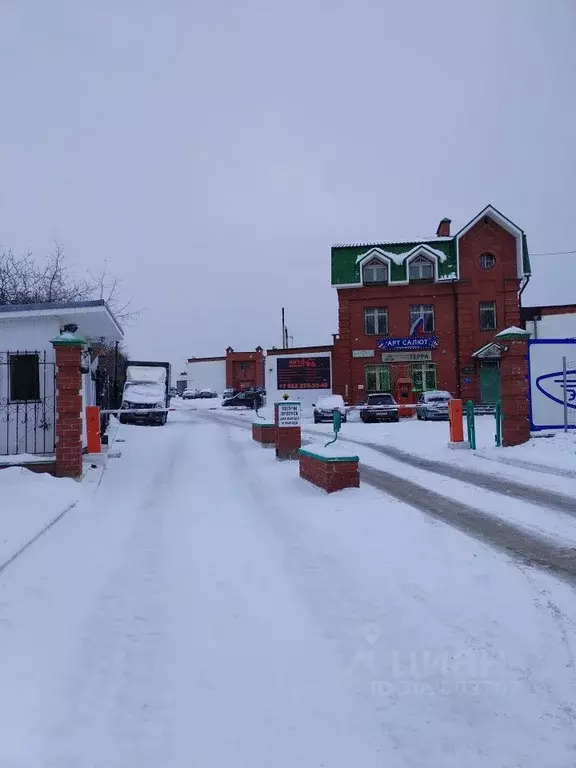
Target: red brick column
[68, 348]
[514, 385]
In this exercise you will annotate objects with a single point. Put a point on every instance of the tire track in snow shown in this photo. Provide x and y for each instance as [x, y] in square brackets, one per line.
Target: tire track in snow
[349, 618]
[527, 548]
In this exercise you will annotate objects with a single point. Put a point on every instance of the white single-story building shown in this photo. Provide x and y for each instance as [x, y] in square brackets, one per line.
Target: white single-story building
[27, 368]
[206, 373]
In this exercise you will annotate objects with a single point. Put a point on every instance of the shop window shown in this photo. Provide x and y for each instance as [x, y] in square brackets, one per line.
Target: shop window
[375, 271]
[377, 378]
[487, 315]
[421, 268]
[424, 314]
[24, 377]
[423, 377]
[376, 321]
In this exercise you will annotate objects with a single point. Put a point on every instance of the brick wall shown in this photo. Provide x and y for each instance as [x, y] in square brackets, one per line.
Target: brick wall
[457, 316]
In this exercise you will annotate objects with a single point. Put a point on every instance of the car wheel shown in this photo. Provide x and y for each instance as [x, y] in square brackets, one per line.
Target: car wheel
[397, 419]
[316, 421]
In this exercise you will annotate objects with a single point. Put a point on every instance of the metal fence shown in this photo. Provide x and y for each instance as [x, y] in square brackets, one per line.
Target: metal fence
[27, 402]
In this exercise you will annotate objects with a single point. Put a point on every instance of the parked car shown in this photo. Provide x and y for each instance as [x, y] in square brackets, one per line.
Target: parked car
[326, 405]
[206, 393]
[379, 406]
[189, 394]
[229, 393]
[252, 398]
[433, 405]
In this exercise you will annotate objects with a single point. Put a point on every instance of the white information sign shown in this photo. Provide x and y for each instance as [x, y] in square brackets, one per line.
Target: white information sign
[406, 357]
[363, 353]
[552, 392]
[288, 414]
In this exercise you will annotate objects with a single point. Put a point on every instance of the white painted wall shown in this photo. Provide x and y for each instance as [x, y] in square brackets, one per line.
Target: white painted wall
[208, 374]
[306, 396]
[553, 327]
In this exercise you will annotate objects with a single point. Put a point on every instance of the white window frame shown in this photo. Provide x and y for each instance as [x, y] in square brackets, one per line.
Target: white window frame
[382, 374]
[482, 309]
[375, 313]
[423, 369]
[372, 266]
[425, 310]
[419, 262]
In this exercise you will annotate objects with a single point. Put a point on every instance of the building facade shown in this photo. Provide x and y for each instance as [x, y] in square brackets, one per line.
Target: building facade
[423, 314]
[234, 370]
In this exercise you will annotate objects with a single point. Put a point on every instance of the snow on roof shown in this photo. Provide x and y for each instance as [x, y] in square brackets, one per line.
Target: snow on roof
[423, 240]
[513, 330]
[400, 258]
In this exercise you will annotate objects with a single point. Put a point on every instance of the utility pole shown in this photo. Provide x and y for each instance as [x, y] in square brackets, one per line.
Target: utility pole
[283, 329]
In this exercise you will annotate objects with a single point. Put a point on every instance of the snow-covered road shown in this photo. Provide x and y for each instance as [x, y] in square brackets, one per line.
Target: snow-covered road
[210, 609]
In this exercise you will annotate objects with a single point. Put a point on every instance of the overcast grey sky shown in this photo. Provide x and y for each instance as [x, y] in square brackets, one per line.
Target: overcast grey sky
[213, 150]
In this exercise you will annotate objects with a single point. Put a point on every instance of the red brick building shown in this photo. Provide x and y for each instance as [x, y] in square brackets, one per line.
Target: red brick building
[235, 370]
[427, 311]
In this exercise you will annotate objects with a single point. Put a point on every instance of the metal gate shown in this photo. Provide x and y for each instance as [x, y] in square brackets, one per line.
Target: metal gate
[27, 402]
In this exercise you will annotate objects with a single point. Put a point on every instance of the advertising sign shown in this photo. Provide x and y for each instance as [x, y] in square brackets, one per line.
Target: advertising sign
[303, 372]
[552, 393]
[406, 343]
[406, 357]
[288, 414]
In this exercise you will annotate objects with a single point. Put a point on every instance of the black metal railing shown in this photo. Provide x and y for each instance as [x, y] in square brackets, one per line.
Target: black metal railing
[27, 402]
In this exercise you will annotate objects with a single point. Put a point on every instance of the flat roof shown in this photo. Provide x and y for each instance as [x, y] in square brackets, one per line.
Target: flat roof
[93, 318]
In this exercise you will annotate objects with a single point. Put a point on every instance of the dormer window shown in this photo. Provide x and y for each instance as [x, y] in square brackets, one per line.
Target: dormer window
[375, 271]
[421, 268]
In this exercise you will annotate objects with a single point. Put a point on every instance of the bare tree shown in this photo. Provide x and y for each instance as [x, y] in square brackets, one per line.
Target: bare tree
[25, 280]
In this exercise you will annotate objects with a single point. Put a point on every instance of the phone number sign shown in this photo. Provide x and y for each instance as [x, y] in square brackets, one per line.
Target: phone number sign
[303, 373]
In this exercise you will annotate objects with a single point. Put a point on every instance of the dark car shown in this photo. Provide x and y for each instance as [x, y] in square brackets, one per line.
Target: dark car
[325, 407]
[207, 393]
[379, 406]
[249, 398]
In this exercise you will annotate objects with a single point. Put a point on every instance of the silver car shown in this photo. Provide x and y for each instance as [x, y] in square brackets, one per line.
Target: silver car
[433, 405]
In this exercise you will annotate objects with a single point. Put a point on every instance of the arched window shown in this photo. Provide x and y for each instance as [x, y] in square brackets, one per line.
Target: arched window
[375, 271]
[421, 268]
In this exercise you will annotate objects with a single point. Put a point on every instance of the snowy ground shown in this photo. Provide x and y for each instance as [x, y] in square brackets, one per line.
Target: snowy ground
[28, 502]
[209, 608]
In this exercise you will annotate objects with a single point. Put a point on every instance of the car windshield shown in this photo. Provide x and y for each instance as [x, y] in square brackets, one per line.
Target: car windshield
[330, 401]
[439, 397]
[380, 400]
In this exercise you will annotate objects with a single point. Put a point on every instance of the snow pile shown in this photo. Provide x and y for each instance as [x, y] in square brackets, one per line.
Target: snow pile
[34, 501]
[557, 451]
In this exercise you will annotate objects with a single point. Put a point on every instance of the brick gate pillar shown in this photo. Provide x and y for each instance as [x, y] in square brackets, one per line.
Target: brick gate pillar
[514, 385]
[68, 350]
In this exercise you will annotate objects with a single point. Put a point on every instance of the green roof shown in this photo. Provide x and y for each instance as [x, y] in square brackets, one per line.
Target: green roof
[346, 270]
[345, 258]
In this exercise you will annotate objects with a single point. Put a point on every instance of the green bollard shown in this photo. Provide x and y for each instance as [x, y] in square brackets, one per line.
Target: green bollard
[470, 425]
[336, 423]
[498, 417]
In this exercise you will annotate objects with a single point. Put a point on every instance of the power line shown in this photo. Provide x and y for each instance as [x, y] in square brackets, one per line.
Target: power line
[553, 253]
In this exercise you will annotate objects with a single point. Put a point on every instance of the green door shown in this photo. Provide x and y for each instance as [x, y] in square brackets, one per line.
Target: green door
[490, 381]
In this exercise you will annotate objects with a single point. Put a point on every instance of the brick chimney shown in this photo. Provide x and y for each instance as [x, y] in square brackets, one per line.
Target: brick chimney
[443, 228]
